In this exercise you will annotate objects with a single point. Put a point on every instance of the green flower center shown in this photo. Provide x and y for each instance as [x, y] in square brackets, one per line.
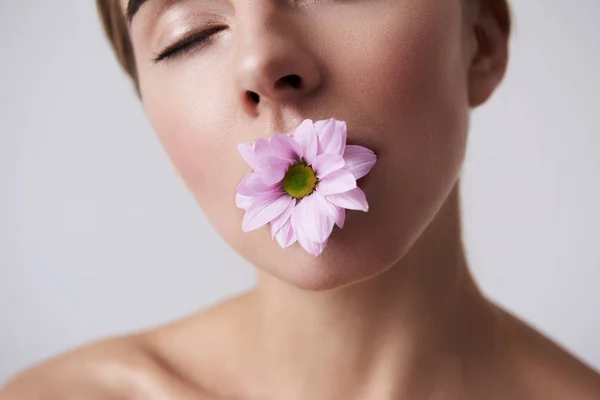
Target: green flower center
[299, 181]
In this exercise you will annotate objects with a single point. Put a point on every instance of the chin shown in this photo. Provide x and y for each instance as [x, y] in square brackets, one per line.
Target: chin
[368, 245]
[342, 263]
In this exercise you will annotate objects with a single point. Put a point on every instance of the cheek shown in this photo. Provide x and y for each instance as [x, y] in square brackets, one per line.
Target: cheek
[195, 128]
[409, 93]
[412, 79]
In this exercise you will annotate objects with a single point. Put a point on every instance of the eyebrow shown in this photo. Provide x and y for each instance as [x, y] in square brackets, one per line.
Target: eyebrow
[132, 7]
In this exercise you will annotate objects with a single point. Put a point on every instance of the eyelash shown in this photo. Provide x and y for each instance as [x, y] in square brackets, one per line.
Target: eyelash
[187, 44]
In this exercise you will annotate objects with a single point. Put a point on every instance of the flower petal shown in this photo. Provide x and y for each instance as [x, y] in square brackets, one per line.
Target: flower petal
[354, 199]
[263, 209]
[313, 248]
[247, 153]
[313, 221]
[331, 135]
[327, 163]
[336, 182]
[306, 137]
[277, 223]
[253, 184]
[296, 220]
[253, 152]
[340, 217]
[335, 213]
[286, 236]
[285, 147]
[242, 201]
[272, 169]
[359, 160]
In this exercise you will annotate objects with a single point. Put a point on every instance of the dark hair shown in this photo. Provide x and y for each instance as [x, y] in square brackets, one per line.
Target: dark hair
[115, 27]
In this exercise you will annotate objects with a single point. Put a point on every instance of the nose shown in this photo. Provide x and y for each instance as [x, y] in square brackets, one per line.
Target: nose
[273, 67]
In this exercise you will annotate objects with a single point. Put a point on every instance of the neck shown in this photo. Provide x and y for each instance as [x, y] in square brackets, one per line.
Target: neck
[381, 337]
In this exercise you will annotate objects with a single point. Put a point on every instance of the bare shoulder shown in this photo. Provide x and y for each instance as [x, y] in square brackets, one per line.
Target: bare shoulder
[115, 368]
[549, 371]
[557, 374]
[167, 362]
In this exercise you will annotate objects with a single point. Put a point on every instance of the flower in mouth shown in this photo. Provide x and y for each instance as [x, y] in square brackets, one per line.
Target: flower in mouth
[302, 184]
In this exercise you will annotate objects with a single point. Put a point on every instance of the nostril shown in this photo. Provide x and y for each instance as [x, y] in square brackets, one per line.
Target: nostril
[253, 96]
[292, 80]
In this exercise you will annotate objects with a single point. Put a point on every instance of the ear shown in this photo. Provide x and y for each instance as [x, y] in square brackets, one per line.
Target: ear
[489, 55]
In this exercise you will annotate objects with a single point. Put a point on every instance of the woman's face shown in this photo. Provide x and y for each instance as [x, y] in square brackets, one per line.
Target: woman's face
[395, 70]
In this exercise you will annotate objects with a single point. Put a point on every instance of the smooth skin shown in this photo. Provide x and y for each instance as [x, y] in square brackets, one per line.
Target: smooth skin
[389, 310]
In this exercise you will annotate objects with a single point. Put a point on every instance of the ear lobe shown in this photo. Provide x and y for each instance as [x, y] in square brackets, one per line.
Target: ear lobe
[490, 60]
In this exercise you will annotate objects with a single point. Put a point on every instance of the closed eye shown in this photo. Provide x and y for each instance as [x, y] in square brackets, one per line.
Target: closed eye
[194, 41]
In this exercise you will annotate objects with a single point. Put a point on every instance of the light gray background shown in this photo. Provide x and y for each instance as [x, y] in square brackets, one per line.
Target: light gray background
[98, 237]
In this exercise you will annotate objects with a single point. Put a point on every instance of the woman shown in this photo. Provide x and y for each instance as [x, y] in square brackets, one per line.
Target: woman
[383, 308]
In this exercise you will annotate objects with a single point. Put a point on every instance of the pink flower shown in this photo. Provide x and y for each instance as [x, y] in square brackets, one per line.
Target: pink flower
[303, 184]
